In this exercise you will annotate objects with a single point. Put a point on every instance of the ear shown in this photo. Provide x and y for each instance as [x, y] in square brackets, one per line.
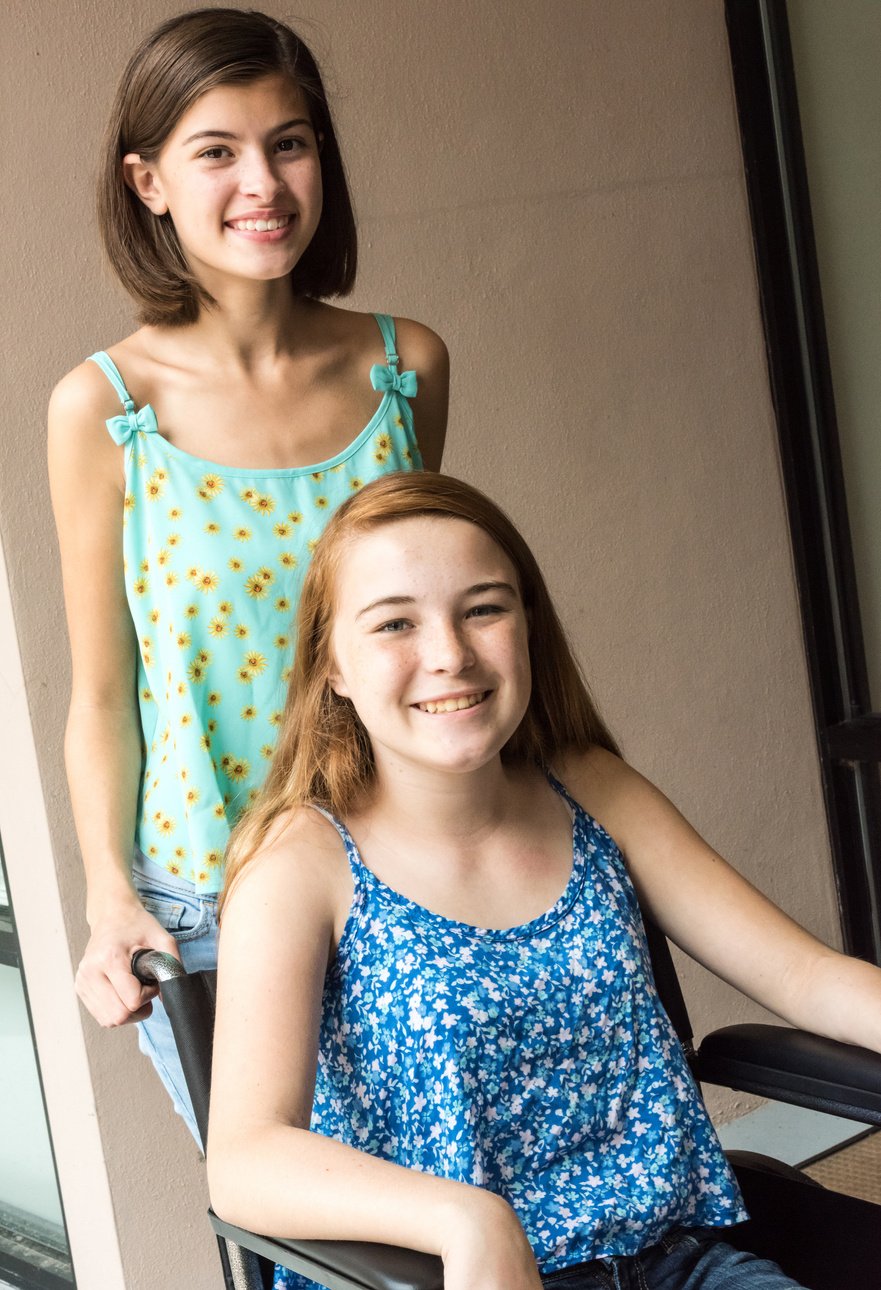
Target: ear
[336, 682]
[143, 180]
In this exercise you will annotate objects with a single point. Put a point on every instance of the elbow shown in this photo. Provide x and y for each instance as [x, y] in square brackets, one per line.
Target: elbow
[225, 1184]
[226, 1167]
[255, 1175]
[235, 1163]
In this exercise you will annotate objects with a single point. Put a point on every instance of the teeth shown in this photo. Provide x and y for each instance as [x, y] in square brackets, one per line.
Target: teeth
[453, 705]
[260, 225]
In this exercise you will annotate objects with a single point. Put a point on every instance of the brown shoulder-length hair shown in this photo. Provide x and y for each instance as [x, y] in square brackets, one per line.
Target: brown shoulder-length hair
[174, 65]
[323, 754]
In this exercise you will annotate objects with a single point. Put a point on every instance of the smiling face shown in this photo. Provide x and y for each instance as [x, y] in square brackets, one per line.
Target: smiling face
[430, 643]
[241, 179]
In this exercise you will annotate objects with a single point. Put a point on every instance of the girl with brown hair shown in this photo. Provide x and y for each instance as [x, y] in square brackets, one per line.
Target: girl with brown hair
[195, 463]
[432, 940]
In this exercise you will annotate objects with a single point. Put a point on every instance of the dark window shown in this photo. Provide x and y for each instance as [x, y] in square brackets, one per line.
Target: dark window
[791, 259]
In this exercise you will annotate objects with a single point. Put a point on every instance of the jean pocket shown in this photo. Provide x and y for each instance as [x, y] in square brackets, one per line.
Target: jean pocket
[185, 917]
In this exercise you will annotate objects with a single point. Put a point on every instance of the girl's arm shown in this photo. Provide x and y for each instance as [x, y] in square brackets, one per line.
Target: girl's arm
[719, 918]
[424, 351]
[266, 1170]
[103, 738]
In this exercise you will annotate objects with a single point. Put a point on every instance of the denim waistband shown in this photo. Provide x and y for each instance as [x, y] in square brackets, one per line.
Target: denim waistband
[603, 1268]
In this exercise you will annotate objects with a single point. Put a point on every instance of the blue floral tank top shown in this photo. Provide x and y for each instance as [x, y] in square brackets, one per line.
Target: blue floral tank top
[536, 1061]
[214, 560]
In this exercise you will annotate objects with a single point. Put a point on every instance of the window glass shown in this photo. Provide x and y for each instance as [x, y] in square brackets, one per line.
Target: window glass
[33, 1245]
[835, 51]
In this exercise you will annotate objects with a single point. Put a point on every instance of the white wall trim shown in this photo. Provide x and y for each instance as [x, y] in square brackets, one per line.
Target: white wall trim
[61, 1050]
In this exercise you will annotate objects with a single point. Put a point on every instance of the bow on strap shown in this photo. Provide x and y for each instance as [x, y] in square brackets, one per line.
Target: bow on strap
[389, 378]
[122, 428]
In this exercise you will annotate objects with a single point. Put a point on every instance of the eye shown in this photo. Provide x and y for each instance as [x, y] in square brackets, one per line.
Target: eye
[292, 144]
[215, 153]
[485, 611]
[394, 625]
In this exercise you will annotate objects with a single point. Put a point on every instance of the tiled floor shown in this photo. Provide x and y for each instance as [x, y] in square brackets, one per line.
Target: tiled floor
[856, 1170]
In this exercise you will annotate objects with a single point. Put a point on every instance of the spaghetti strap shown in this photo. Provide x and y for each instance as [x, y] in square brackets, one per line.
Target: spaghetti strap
[386, 377]
[356, 864]
[387, 327]
[133, 421]
[555, 784]
[111, 371]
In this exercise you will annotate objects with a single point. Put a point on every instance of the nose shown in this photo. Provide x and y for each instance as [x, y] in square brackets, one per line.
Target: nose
[449, 650]
[258, 177]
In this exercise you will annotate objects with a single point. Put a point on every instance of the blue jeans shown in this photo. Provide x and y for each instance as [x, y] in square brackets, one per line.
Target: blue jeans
[192, 921]
[685, 1259]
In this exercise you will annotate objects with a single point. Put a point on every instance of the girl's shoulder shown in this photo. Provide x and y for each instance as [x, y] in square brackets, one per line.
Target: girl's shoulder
[355, 344]
[418, 347]
[80, 406]
[594, 777]
[301, 864]
[608, 789]
[86, 397]
[284, 909]
[83, 398]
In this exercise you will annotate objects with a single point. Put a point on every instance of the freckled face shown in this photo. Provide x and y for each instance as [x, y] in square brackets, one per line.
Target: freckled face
[430, 643]
[241, 179]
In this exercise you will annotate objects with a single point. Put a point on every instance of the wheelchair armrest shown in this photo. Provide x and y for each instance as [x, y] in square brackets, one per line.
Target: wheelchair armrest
[795, 1066]
[343, 1265]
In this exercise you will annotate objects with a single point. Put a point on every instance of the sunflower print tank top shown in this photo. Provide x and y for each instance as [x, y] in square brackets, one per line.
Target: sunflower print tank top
[214, 560]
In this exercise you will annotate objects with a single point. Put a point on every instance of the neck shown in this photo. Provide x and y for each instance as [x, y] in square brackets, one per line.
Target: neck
[455, 809]
[250, 323]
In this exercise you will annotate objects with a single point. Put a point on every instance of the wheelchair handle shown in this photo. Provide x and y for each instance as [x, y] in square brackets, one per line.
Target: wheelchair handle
[152, 967]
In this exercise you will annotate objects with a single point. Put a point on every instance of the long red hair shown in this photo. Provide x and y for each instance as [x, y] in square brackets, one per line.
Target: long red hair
[323, 755]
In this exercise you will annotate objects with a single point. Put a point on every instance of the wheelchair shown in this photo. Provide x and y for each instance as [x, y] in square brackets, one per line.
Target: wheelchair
[824, 1240]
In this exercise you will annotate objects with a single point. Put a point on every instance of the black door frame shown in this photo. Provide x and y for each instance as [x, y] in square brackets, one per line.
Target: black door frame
[848, 732]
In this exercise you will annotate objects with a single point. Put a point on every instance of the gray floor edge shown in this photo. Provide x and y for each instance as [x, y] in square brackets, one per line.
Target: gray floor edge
[789, 1133]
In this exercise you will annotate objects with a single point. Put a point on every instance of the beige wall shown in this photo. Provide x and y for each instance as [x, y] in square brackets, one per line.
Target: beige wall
[556, 186]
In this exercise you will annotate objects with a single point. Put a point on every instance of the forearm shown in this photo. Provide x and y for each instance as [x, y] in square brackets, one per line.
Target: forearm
[290, 1182]
[103, 750]
[103, 755]
[841, 998]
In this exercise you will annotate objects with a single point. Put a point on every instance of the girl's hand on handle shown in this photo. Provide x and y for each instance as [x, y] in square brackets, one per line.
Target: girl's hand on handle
[487, 1249]
[104, 980]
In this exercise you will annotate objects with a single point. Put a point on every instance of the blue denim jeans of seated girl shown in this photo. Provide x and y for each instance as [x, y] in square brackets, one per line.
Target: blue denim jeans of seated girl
[685, 1259]
[192, 921]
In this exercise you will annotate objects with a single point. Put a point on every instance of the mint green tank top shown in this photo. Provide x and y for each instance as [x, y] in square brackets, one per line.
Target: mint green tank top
[214, 559]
